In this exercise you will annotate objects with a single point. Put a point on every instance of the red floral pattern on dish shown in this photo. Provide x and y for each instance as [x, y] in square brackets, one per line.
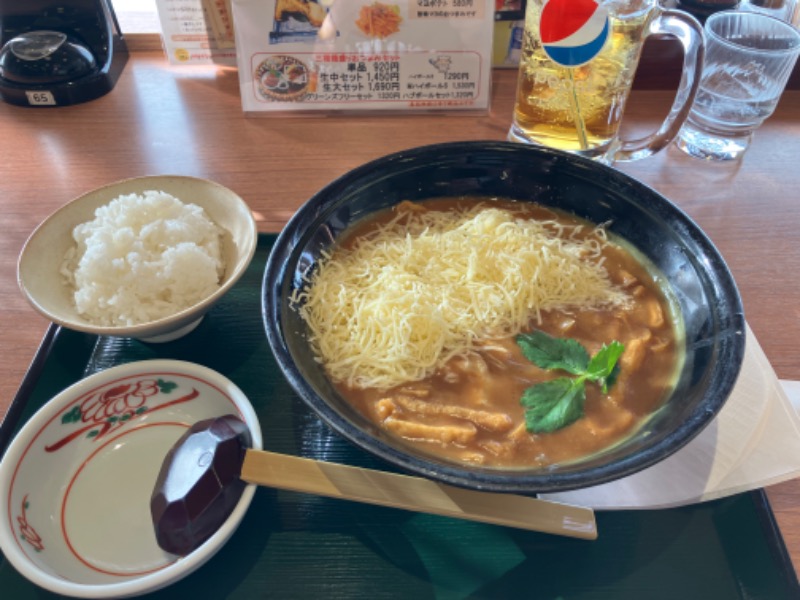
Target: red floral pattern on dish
[107, 410]
[26, 531]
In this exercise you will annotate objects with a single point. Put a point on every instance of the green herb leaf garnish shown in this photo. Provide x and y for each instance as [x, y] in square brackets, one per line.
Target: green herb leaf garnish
[604, 365]
[554, 353]
[554, 404]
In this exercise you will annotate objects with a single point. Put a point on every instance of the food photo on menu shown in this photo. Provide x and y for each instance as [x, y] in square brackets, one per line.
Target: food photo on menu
[315, 20]
[297, 20]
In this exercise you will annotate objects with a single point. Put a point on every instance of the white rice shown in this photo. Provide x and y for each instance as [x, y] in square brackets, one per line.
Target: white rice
[142, 258]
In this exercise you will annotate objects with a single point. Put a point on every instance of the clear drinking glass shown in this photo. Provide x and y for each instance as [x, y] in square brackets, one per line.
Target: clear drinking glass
[749, 57]
[577, 66]
[780, 9]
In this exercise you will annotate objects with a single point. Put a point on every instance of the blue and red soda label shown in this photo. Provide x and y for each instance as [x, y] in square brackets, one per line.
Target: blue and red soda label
[573, 32]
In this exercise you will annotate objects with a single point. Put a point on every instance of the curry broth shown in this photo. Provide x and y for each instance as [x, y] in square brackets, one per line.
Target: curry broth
[470, 411]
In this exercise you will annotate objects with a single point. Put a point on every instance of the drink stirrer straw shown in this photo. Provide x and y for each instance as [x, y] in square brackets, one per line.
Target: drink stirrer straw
[207, 469]
[580, 124]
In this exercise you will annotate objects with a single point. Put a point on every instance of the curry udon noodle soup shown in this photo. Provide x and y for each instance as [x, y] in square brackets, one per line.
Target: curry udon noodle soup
[430, 319]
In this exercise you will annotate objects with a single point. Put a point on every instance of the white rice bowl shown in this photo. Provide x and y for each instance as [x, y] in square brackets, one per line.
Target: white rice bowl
[142, 258]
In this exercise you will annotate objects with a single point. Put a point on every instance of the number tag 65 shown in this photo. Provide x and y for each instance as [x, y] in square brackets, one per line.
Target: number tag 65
[41, 98]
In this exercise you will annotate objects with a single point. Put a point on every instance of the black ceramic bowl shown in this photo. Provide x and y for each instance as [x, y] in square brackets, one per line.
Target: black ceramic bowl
[702, 283]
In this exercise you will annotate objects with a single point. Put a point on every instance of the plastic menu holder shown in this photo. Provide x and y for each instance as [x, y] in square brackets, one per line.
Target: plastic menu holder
[197, 32]
[363, 55]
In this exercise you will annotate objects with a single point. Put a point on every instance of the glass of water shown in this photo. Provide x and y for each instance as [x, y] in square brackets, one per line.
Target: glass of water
[749, 57]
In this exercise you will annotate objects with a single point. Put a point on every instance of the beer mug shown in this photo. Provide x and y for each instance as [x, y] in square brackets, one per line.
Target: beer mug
[577, 67]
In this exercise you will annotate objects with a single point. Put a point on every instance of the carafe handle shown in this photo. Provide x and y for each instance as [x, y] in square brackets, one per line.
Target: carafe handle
[689, 32]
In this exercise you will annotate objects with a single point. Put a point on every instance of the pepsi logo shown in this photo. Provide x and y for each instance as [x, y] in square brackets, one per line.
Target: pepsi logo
[573, 32]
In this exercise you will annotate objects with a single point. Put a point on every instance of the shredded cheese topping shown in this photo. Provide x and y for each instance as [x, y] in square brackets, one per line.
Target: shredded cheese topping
[432, 284]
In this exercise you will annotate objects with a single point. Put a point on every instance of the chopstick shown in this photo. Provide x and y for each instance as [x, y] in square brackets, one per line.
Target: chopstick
[416, 494]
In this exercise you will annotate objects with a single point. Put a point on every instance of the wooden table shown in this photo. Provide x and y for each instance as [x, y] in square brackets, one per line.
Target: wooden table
[188, 120]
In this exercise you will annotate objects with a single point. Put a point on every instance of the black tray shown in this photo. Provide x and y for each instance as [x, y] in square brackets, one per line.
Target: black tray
[294, 545]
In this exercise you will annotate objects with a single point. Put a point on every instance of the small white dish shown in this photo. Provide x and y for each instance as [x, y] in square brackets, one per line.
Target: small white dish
[38, 268]
[75, 483]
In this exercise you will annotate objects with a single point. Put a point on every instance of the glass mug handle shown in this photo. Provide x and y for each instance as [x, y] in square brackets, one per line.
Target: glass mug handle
[689, 33]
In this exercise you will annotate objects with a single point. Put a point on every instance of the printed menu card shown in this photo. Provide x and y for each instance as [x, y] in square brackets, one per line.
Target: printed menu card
[197, 32]
[364, 55]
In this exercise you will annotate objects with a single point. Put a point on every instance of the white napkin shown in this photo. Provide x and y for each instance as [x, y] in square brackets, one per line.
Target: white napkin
[753, 442]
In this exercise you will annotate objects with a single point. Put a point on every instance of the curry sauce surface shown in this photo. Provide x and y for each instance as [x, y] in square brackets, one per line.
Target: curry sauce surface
[470, 411]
